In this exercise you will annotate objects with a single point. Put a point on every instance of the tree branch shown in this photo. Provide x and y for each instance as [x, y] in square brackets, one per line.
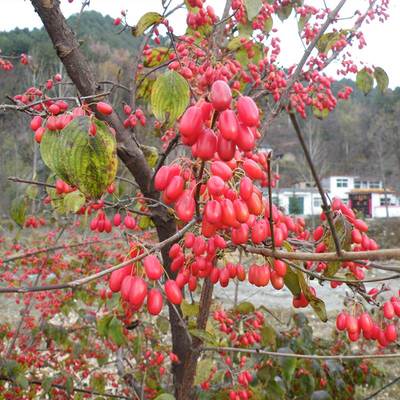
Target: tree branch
[49, 249]
[384, 254]
[325, 205]
[302, 356]
[83, 281]
[77, 390]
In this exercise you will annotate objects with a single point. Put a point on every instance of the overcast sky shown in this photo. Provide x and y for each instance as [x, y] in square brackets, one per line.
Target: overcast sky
[382, 39]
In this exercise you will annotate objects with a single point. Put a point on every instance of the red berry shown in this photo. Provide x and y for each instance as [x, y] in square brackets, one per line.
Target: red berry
[104, 108]
[153, 267]
[173, 292]
[154, 301]
[220, 95]
[248, 111]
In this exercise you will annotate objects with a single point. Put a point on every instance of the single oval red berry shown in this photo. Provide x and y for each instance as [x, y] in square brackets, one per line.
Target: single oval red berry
[138, 292]
[173, 292]
[220, 95]
[104, 108]
[248, 111]
[154, 301]
[152, 267]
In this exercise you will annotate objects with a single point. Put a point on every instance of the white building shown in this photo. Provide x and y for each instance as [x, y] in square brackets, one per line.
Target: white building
[298, 201]
[363, 195]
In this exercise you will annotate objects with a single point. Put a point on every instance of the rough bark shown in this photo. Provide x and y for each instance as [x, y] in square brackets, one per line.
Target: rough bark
[78, 69]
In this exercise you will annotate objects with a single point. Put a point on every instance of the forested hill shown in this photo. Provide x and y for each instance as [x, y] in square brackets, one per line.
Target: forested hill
[90, 25]
[362, 136]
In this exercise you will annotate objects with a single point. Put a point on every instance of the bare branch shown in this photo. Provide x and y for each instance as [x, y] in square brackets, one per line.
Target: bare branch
[50, 249]
[384, 254]
[302, 356]
[83, 281]
[77, 390]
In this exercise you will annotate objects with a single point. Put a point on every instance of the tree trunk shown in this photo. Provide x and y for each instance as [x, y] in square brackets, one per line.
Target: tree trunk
[78, 69]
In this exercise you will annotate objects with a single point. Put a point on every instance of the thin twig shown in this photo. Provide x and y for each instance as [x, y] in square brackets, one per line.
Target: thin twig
[344, 280]
[24, 313]
[50, 249]
[392, 382]
[107, 203]
[271, 218]
[25, 107]
[325, 205]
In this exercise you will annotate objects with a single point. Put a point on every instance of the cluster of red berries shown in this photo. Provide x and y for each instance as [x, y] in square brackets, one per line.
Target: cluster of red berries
[200, 16]
[131, 282]
[384, 331]
[133, 117]
[34, 222]
[359, 239]
[102, 224]
[250, 332]
[5, 65]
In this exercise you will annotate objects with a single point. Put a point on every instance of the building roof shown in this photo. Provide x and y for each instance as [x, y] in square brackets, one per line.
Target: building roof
[362, 191]
[296, 190]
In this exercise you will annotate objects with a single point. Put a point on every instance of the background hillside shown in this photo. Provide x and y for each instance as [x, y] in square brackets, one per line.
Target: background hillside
[362, 137]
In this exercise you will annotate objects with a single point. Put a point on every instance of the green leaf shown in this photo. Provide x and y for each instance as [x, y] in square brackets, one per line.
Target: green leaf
[165, 396]
[364, 81]
[292, 281]
[57, 333]
[307, 382]
[21, 381]
[302, 22]
[320, 114]
[244, 308]
[343, 231]
[18, 211]
[158, 56]
[268, 25]
[190, 310]
[203, 335]
[74, 201]
[275, 390]
[69, 384]
[46, 384]
[327, 40]
[170, 96]
[381, 78]
[253, 7]
[102, 325]
[162, 324]
[98, 382]
[203, 370]
[284, 12]
[32, 192]
[245, 30]
[144, 222]
[115, 331]
[265, 374]
[151, 154]
[86, 162]
[243, 58]
[288, 364]
[146, 21]
[317, 304]
[268, 336]
[235, 43]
